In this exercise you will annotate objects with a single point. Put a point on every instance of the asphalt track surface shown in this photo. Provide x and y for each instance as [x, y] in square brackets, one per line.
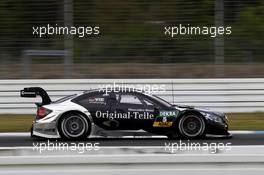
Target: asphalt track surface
[24, 140]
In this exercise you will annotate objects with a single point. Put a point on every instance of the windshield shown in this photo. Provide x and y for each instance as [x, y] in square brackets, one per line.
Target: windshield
[64, 98]
[160, 100]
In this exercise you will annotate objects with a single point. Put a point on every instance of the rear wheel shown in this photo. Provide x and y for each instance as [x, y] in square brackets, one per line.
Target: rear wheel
[74, 126]
[191, 126]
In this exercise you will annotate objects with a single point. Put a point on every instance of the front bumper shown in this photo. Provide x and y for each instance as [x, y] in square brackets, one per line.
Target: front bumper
[216, 129]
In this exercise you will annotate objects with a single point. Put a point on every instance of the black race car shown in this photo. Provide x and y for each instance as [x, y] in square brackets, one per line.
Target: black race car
[117, 113]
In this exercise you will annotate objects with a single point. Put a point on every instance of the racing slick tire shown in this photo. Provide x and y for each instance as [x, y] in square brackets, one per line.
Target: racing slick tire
[191, 126]
[74, 126]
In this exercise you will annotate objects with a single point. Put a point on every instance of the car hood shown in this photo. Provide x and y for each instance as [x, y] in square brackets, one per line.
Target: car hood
[202, 110]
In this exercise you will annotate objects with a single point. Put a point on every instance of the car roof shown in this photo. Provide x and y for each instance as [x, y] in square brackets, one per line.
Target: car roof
[124, 90]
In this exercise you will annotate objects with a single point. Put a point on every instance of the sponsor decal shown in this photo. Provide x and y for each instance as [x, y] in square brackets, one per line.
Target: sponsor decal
[124, 115]
[165, 119]
[162, 124]
[168, 113]
[96, 100]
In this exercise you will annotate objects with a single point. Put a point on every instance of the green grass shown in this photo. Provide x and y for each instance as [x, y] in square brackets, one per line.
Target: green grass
[246, 121]
[237, 121]
[15, 123]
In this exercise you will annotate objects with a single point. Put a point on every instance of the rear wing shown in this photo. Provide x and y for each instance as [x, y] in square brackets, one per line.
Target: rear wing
[33, 92]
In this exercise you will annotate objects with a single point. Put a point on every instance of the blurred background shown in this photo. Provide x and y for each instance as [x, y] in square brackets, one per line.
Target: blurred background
[131, 43]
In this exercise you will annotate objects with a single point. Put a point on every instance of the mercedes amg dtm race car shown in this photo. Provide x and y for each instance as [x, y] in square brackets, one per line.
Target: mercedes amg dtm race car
[99, 112]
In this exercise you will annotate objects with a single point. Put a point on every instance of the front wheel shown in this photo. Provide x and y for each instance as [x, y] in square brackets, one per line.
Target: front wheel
[74, 126]
[191, 126]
